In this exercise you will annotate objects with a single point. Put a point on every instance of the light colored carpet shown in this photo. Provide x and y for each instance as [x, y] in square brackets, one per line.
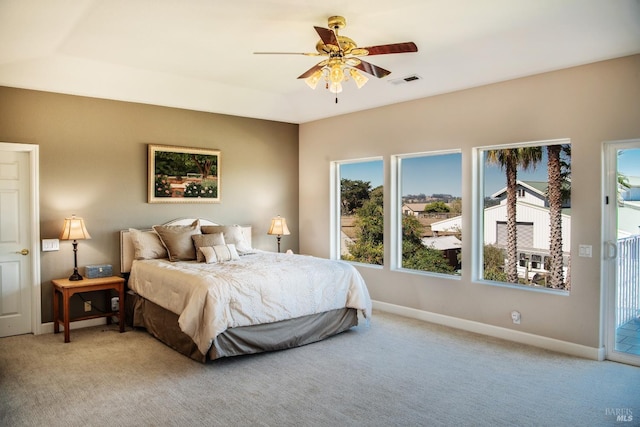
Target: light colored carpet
[395, 372]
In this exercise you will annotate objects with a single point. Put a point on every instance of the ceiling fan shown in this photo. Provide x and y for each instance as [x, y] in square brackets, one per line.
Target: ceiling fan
[342, 58]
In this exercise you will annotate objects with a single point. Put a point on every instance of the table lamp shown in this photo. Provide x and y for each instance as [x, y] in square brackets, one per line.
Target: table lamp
[74, 229]
[278, 228]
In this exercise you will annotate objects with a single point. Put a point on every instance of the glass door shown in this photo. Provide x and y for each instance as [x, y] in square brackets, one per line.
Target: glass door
[621, 261]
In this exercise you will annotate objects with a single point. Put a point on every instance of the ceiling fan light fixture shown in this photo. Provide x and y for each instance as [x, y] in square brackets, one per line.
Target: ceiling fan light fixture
[335, 87]
[358, 77]
[341, 58]
[336, 74]
[313, 79]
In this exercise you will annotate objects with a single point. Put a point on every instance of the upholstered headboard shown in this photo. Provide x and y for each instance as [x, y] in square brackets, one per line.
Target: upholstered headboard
[126, 245]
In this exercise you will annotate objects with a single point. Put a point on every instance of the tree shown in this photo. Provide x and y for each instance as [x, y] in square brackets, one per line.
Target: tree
[493, 260]
[207, 165]
[558, 173]
[437, 207]
[180, 164]
[353, 194]
[415, 255]
[456, 205]
[369, 229]
[510, 160]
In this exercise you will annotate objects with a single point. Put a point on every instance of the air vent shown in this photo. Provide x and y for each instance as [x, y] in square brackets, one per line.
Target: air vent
[407, 79]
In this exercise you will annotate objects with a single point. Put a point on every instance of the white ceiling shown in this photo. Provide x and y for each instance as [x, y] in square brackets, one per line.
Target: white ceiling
[198, 54]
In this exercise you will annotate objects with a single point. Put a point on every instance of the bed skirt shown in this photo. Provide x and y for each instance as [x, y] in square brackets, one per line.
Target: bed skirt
[163, 325]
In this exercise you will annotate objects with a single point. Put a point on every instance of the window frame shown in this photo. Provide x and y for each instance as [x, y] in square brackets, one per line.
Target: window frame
[334, 206]
[396, 211]
[477, 206]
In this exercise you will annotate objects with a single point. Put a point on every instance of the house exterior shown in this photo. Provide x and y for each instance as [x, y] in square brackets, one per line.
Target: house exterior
[413, 209]
[533, 225]
[450, 246]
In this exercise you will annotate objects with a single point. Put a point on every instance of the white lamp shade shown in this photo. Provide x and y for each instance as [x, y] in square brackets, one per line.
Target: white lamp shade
[74, 229]
[279, 227]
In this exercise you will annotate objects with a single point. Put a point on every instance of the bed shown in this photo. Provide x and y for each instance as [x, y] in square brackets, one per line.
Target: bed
[202, 289]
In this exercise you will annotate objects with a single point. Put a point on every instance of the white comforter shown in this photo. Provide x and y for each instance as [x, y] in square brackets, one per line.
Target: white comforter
[259, 288]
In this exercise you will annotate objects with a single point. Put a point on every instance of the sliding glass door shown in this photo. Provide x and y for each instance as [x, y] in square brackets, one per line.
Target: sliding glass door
[621, 261]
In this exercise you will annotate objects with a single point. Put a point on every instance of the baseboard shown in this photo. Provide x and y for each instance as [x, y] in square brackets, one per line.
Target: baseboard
[47, 328]
[495, 331]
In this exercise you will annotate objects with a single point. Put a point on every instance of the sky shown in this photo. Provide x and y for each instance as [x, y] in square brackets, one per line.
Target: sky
[442, 173]
[436, 174]
[629, 162]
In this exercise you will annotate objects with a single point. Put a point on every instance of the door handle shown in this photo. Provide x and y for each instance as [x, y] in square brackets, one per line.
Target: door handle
[612, 250]
[24, 252]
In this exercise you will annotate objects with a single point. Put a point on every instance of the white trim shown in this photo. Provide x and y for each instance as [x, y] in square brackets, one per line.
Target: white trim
[495, 331]
[609, 235]
[335, 178]
[47, 328]
[34, 221]
[477, 219]
[334, 211]
[395, 250]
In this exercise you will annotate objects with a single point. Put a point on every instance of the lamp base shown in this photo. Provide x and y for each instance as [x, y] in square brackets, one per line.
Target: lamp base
[75, 277]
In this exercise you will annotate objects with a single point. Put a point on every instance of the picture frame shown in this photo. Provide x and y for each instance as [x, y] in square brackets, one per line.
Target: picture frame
[183, 174]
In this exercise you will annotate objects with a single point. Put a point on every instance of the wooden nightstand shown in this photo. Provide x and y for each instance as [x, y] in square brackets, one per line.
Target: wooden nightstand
[68, 288]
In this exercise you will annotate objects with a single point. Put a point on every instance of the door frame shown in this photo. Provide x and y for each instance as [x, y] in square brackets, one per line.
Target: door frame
[33, 151]
[608, 277]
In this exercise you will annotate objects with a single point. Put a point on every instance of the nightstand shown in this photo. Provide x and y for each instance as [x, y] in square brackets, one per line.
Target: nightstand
[67, 289]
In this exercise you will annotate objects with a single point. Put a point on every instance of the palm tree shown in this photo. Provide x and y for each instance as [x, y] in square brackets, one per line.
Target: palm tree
[554, 194]
[510, 160]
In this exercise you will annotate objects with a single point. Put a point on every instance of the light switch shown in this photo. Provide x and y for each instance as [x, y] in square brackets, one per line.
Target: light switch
[584, 251]
[49, 245]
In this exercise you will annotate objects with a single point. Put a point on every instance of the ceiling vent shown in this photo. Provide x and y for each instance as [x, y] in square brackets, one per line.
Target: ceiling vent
[407, 79]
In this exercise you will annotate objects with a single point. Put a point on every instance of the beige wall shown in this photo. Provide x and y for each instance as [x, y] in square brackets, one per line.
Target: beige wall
[93, 163]
[588, 104]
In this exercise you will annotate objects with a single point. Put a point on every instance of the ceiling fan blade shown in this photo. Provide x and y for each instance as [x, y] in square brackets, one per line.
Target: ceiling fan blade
[374, 70]
[288, 53]
[311, 70]
[327, 36]
[392, 48]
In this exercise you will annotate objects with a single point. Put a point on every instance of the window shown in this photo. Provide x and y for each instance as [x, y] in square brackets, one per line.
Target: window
[525, 214]
[360, 211]
[430, 207]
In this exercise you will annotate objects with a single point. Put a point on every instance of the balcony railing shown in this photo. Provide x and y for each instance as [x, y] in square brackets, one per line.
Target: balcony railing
[628, 304]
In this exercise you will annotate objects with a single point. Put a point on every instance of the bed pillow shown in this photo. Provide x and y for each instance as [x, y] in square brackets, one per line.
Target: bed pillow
[219, 253]
[203, 240]
[232, 235]
[177, 240]
[147, 245]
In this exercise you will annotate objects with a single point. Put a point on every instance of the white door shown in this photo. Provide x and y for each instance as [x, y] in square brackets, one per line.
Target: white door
[621, 260]
[18, 274]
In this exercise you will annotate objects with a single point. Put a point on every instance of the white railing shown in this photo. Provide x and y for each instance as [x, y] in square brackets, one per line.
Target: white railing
[628, 304]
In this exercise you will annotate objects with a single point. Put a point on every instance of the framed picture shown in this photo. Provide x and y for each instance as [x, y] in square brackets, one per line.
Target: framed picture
[183, 175]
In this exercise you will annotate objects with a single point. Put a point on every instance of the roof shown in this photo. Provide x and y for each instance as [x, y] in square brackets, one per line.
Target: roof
[442, 243]
[537, 187]
[416, 207]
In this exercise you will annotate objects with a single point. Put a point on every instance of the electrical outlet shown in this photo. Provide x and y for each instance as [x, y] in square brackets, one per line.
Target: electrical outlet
[515, 317]
[115, 303]
[87, 306]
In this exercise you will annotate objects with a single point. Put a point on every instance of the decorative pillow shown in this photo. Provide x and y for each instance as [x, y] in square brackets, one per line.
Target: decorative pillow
[232, 234]
[177, 240]
[202, 240]
[220, 253]
[147, 245]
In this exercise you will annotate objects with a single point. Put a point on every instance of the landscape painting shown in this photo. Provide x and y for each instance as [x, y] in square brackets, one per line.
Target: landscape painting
[183, 175]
